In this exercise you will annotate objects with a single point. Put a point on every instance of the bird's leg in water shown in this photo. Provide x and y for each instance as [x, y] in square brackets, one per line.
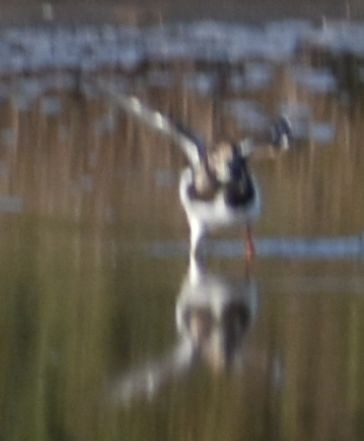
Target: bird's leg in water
[250, 247]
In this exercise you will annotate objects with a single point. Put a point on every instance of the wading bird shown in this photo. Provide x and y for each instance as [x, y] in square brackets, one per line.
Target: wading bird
[217, 189]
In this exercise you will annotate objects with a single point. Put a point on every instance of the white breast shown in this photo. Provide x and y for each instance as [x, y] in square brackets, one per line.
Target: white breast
[216, 213]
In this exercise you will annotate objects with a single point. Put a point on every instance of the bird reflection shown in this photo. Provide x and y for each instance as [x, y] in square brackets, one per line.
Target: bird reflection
[213, 315]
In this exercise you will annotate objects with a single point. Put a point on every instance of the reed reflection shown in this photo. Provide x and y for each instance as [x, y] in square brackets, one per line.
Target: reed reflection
[213, 316]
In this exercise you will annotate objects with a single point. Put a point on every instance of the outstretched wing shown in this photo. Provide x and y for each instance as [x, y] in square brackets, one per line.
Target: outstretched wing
[192, 147]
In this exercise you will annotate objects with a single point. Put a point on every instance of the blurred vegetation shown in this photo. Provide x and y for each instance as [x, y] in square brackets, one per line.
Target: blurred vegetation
[149, 11]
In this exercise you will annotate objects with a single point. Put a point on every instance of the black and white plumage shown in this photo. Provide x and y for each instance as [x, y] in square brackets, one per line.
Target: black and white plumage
[213, 315]
[219, 194]
[217, 189]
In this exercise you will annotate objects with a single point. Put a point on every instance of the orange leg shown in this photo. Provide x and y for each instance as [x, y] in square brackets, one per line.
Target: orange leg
[250, 247]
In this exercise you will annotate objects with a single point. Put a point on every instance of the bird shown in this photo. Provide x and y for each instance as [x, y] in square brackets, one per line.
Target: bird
[219, 192]
[217, 189]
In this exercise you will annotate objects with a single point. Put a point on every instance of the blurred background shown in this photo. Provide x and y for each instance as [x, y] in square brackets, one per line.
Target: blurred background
[140, 10]
[105, 335]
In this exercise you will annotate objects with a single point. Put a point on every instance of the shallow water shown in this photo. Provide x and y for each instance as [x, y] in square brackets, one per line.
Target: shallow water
[106, 331]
